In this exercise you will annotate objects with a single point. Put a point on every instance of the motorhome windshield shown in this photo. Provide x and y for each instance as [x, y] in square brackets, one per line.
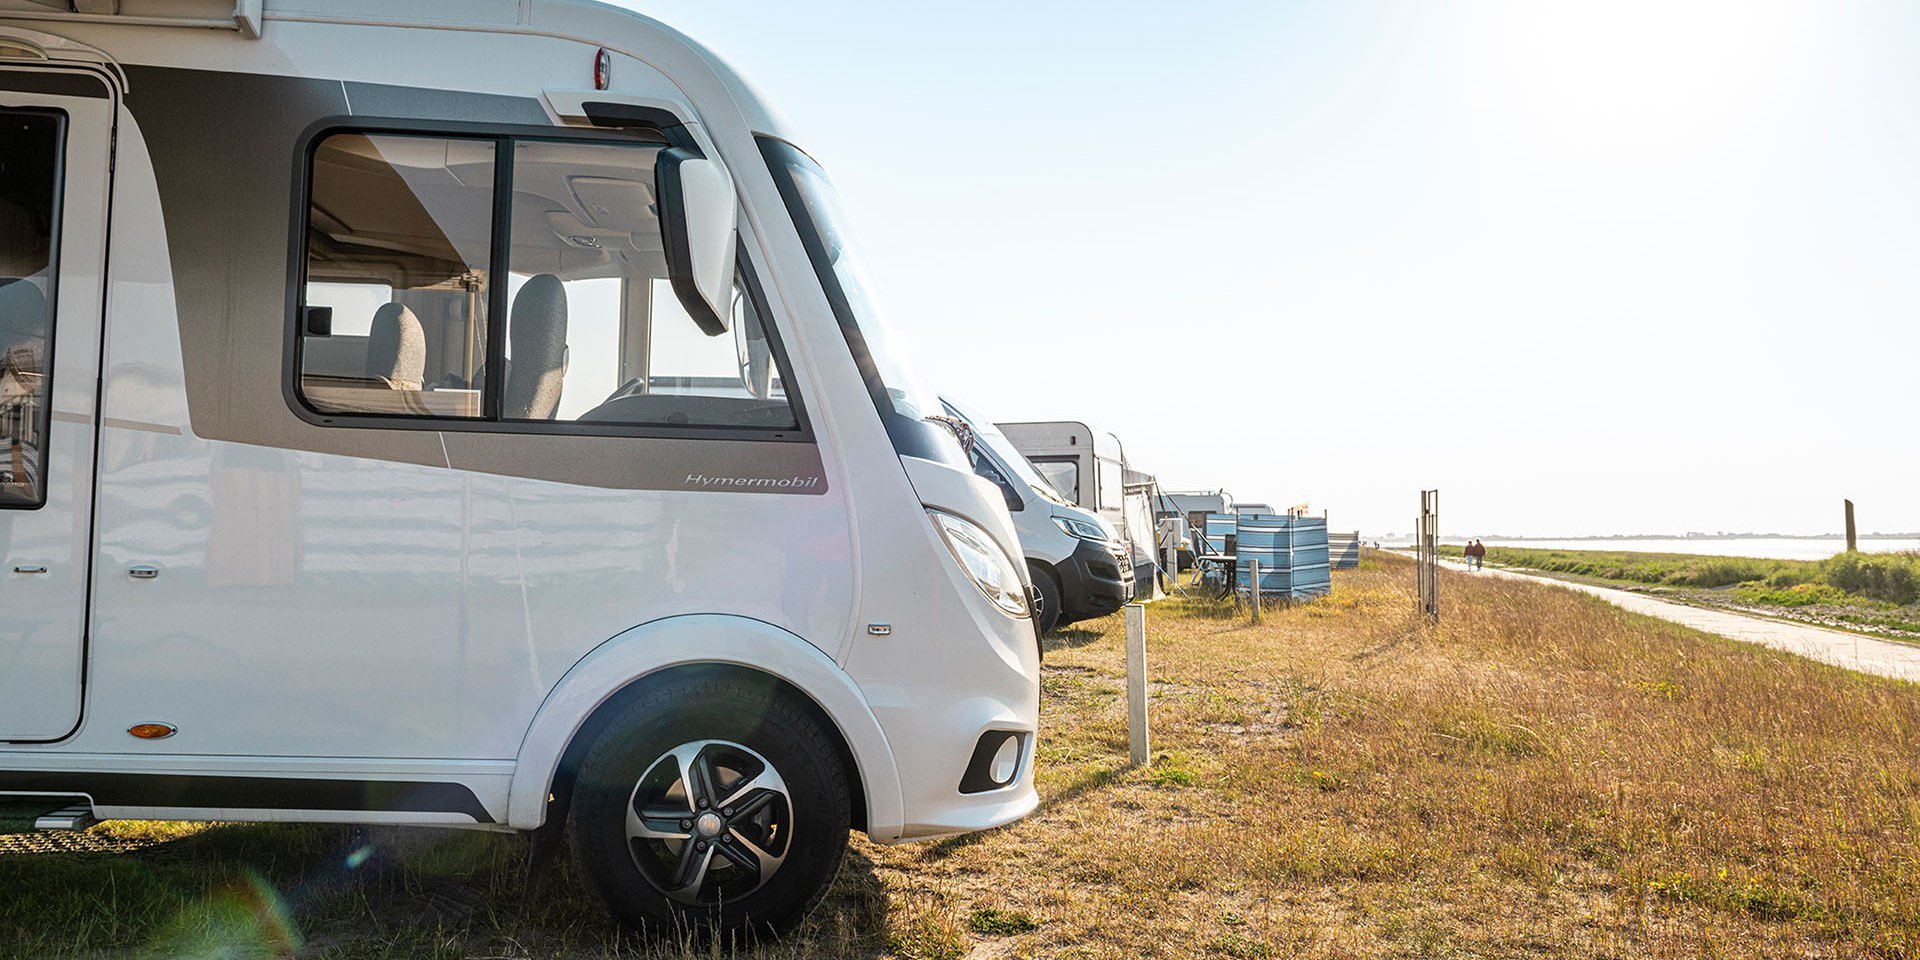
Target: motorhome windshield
[815, 209]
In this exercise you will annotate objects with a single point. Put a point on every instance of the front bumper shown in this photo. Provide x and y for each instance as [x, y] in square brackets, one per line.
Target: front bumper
[984, 815]
[1095, 581]
[952, 801]
[976, 806]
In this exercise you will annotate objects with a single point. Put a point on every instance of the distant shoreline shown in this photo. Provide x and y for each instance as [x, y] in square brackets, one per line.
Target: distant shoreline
[1803, 547]
[1603, 537]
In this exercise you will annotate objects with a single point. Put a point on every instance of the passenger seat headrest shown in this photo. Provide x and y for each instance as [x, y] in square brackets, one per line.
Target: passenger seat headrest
[537, 334]
[397, 348]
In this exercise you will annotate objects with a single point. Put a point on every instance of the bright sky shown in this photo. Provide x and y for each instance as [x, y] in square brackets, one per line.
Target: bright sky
[1587, 268]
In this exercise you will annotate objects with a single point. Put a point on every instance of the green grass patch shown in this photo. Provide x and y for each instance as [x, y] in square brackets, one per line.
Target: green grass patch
[1238, 947]
[995, 922]
[1654, 569]
[1798, 595]
[1172, 770]
[1479, 733]
[1904, 620]
[1759, 899]
[1892, 577]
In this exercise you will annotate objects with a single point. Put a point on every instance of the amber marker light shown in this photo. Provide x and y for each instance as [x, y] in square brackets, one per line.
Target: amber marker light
[152, 731]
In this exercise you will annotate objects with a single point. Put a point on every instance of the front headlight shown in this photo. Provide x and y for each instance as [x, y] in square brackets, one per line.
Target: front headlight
[984, 562]
[1082, 529]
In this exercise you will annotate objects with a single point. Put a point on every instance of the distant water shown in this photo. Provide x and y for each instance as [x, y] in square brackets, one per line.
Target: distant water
[1772, 548]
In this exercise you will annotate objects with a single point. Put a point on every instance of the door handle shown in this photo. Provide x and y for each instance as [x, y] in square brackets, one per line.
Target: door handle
[143, 571]
[28, 568]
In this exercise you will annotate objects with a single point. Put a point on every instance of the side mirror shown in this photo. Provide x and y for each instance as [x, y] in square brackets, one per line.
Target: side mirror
[1014, 503]
[697, 225]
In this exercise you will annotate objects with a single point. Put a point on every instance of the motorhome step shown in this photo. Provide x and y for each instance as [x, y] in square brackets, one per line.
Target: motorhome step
[77, 816]
[25, 814]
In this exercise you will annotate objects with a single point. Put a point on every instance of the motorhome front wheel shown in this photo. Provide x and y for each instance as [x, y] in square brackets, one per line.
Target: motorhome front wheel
[715, 804]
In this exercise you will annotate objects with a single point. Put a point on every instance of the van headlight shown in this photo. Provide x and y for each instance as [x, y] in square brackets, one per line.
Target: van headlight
[984, 562]
[1082, 529]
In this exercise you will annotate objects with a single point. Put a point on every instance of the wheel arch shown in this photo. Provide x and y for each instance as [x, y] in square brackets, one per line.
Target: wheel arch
[637, 660]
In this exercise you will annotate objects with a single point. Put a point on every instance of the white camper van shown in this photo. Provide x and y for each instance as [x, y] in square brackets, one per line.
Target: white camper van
[471, 415]
[1090, 467]
[1078, 563]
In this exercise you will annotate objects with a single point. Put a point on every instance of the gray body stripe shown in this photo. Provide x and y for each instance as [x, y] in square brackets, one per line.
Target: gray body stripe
[67, 416]
[143, 426]
[386, 100]
[22, 78]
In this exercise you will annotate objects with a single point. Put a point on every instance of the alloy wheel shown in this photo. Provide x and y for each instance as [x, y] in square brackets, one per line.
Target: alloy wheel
[710, 821]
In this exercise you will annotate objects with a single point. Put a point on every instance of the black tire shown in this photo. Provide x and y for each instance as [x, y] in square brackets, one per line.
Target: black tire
[1046, 619]
[736, 711]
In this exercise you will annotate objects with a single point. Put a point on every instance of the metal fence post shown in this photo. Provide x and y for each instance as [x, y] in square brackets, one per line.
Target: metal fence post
[1253, 587]
[1426, 534]
[1138, 749]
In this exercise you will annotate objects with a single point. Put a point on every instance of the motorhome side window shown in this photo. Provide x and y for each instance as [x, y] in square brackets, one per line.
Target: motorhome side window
[401, 268]
[1113, 485]
[30, 163]
[399, 244]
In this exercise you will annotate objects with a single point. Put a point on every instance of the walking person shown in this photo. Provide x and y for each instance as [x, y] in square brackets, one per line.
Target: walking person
[1479, 554]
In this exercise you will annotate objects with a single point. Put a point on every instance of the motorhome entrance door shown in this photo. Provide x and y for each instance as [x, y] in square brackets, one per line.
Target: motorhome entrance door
[56, 136]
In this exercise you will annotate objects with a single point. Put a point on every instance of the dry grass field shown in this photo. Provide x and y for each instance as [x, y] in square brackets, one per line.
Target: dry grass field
[1538, 775]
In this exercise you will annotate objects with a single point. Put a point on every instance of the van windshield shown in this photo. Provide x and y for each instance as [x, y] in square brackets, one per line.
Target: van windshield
[1000, 445]
[815, 208]
[1005, 452]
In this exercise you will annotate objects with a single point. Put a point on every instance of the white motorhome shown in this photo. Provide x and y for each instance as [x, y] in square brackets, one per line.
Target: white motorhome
[1090, 468]
[471, 415]
[1080, 566]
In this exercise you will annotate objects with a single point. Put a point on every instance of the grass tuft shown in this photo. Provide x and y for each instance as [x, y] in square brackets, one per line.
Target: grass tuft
[1238, 947]
[995, 922]
[1172, 770]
